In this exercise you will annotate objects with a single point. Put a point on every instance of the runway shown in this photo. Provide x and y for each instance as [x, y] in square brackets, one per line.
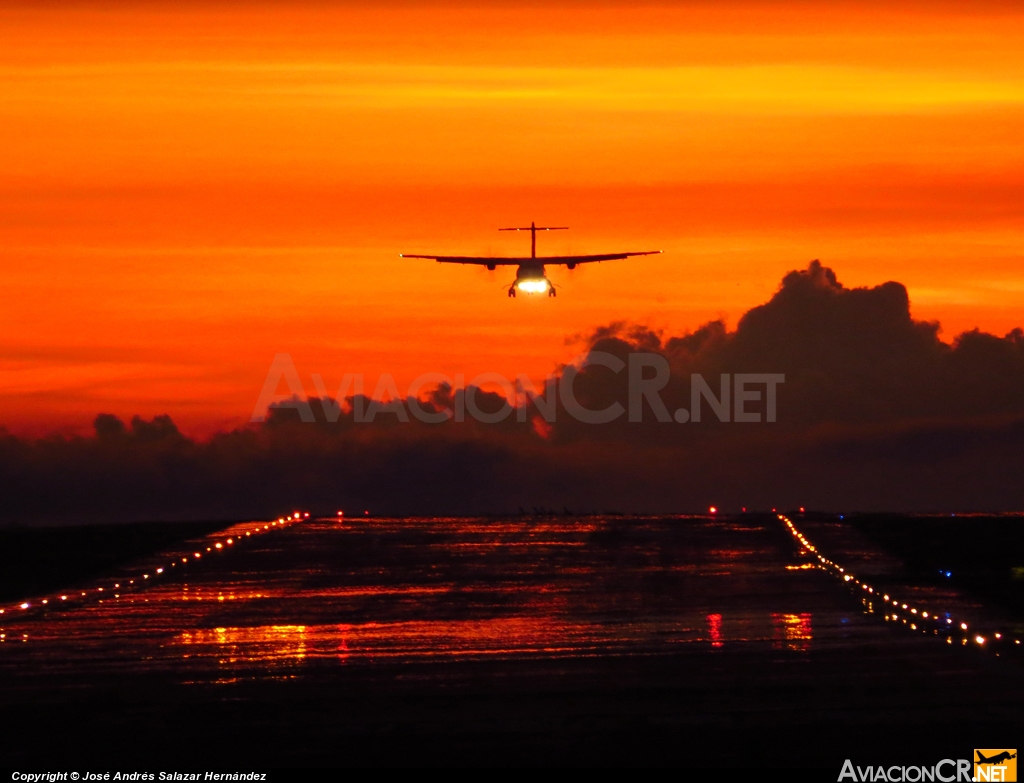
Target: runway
[692, 640]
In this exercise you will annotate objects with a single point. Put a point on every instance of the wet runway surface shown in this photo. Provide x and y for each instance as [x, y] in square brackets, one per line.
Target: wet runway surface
[624, 640]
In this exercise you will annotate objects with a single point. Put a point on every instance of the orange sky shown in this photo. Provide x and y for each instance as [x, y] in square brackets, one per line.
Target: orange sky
[188, 189]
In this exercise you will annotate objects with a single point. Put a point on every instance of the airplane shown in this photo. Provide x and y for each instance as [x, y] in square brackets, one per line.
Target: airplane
[530, 276]
[1005, 755]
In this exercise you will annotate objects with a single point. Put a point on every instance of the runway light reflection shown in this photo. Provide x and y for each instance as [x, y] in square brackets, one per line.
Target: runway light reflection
[715, 629]
[792, 631]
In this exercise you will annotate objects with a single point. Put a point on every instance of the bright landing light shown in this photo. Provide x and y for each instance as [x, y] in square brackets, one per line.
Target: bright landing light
[533, 286]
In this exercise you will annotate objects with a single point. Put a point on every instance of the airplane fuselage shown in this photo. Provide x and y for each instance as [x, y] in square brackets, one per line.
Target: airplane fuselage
[531, 279]
[530, 272]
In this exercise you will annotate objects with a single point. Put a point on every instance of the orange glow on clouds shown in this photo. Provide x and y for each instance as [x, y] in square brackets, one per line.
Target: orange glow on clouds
[189, 189]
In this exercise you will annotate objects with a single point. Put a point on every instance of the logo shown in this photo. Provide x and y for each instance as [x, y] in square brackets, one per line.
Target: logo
[995, 764]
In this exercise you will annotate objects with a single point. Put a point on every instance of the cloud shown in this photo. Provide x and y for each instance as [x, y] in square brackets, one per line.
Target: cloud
[876, 413]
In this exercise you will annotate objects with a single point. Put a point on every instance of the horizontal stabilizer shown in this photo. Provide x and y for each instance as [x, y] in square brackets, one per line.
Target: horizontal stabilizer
[537, 228]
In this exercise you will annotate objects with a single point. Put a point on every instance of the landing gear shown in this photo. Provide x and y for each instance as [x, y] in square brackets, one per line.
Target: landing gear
[512, 292]
[551, 291]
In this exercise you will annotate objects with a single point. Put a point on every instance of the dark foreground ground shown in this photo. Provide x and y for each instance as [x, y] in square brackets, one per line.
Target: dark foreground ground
[682, 641]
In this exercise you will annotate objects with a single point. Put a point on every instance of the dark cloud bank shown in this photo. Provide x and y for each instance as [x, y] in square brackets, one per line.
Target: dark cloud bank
[876, 413]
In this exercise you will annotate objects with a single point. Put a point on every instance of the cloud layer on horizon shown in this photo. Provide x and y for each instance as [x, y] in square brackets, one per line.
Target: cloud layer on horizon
[876, 413]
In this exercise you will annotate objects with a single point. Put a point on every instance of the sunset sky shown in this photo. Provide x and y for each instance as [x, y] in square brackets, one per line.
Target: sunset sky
[189, 188]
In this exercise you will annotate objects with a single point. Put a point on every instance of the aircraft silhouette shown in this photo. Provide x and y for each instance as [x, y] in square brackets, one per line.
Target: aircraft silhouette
[1004, 756]
[530, 276]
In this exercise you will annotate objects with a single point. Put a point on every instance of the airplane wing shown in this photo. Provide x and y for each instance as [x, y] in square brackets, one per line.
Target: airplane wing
[573, 260]
[471, 260]
[555, 260]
